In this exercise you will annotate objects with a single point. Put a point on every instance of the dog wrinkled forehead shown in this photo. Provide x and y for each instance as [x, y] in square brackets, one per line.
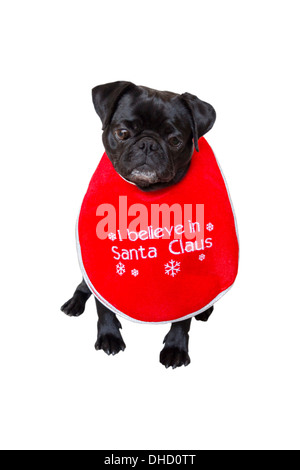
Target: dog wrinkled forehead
[153, 106]
[149, 109]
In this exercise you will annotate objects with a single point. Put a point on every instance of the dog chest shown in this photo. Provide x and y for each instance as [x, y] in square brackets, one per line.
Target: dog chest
[160, 256]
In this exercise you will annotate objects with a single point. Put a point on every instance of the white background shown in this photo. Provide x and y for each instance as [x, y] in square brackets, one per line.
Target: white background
[242, 389]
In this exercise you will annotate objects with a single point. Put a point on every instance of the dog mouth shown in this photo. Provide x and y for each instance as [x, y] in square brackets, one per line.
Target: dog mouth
[143, 176]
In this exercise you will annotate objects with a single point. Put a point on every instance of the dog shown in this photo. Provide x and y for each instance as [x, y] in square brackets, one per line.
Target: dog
[149, 137]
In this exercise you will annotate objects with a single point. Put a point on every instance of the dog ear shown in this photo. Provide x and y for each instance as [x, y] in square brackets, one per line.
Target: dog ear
[106, 97]
[202, 113]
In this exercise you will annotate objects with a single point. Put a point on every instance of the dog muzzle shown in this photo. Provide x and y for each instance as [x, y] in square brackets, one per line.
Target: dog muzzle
[160, 256]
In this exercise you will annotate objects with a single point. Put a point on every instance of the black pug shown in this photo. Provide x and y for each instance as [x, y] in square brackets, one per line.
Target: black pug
[152, 157]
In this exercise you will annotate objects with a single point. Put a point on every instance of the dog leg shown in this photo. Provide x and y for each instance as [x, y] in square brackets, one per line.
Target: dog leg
[109, 336]
[176, 350]
[76, 305]
[204, 316]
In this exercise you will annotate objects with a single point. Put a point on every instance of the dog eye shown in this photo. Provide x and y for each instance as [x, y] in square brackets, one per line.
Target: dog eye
[174, 141]
[122, 134]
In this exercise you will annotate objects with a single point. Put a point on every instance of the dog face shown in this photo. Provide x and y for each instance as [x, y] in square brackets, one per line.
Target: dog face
[148, 134]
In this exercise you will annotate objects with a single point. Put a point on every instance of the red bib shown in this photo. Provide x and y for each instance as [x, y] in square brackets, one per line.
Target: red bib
[159, 256]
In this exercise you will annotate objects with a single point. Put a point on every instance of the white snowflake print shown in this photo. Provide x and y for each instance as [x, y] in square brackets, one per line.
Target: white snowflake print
[202, 257]
[120, 269]
[135, 272]
[210, 227]
[112, 236]
[172, 268]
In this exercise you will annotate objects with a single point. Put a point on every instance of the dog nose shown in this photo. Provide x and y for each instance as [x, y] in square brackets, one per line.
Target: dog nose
[148, 145]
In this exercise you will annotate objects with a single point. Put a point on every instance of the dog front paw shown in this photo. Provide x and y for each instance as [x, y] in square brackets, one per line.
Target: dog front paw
[74, 307]
[174, 357]
[110, 344]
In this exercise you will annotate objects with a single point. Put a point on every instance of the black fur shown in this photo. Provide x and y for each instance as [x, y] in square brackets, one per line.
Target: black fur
[175, 352]
[153, 122]
[152, 118]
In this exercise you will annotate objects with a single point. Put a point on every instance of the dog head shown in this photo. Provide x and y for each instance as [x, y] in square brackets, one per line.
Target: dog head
[149, 134]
